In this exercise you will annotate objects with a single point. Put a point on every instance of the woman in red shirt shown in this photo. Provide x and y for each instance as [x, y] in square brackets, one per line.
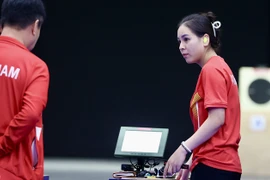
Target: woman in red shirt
[214, 106]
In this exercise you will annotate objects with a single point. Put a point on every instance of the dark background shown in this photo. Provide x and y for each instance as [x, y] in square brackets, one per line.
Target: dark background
[117, 64]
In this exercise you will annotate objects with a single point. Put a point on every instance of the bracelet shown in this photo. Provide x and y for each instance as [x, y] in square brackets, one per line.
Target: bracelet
[185, 147]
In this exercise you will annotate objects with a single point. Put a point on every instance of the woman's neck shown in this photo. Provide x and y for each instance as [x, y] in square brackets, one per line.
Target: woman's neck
[210, 53]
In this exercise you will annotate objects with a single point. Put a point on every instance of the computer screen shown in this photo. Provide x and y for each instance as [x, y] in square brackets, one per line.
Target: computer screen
[141, 142]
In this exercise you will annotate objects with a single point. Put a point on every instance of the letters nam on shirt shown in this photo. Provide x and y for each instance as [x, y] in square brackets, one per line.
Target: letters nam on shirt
[10, 72]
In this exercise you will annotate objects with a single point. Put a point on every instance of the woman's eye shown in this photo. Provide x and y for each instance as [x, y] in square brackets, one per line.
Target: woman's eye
[186, 39]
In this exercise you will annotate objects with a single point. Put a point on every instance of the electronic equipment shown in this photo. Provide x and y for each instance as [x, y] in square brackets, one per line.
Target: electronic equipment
[141, 143]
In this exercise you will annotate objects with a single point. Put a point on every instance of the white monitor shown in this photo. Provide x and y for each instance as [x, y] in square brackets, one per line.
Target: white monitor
[145, 142]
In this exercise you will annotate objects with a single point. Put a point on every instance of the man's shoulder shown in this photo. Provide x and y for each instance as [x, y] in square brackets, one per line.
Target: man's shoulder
[34, 60]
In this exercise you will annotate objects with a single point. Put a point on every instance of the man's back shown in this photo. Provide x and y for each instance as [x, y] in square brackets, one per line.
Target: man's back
[13, 79]
[24, 80]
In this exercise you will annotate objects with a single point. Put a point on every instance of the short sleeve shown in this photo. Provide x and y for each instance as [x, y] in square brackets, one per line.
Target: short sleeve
[214, 87]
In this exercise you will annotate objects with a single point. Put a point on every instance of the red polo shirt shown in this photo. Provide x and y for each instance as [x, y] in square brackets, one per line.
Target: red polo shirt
[24, 81]
[217, 87]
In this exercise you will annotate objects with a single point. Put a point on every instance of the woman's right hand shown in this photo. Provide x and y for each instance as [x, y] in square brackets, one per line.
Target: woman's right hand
[184, 173]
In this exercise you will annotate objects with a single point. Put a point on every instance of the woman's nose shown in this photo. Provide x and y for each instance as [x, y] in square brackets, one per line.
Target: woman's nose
[181, 46]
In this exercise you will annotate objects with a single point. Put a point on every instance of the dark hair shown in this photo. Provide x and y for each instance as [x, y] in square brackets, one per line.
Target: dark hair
[22, 13]
[201, 24]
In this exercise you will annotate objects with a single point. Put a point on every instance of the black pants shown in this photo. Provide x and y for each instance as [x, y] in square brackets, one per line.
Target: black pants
[203, 172]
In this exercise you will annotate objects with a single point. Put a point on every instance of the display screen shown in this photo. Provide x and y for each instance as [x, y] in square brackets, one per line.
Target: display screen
[149, 144]
[141, 142]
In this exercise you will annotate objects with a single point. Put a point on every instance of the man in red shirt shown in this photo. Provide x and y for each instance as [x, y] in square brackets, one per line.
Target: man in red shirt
[24, 81]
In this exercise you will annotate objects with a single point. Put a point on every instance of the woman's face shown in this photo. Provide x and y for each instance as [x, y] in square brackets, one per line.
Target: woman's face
[190, 45]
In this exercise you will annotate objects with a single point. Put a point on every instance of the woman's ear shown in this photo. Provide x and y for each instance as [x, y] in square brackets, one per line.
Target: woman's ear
[206, 40]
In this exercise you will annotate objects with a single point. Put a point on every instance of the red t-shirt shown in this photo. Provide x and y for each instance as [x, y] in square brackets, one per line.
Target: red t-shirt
[217, 87]
[24, 81]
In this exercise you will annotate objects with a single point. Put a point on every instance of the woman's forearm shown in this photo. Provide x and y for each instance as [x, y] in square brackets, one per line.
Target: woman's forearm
[206, 131]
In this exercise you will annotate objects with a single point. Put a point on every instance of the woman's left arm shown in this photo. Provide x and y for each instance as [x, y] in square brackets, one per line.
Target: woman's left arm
[216, 118]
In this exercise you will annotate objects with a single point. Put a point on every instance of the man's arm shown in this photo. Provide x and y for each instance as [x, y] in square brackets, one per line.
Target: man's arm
[34, 102]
